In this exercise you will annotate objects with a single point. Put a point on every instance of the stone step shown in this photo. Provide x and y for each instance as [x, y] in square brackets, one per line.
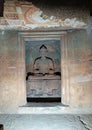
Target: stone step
[58, 109]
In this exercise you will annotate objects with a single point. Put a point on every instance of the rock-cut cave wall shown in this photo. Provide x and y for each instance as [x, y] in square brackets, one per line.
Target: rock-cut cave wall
[12, 75]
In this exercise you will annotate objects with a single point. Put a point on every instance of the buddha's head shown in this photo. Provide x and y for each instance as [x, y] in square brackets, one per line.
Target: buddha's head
[43, 50]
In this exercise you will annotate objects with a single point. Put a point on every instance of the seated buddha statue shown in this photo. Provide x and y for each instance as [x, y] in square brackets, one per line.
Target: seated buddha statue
[43, 64]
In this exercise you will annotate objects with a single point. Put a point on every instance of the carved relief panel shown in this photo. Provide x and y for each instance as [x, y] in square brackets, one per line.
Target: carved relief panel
[43, 71]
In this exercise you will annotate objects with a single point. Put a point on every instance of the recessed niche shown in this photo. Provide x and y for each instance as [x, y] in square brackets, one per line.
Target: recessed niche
[43, 70]
[55, 43]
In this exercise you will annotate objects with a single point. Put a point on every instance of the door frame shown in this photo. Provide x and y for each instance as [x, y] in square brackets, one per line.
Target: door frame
[65, 82]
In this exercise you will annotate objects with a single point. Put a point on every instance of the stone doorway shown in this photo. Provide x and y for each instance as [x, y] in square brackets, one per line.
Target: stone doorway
[46, 35]
[43, 69]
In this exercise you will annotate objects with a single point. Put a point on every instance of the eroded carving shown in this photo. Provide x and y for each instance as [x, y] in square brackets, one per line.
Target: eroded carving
[44, 80]
[43, 64]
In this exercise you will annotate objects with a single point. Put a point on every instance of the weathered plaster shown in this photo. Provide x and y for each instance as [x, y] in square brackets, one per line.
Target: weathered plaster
[76, 70]
[10, 72]
[80, 67]
[22, 15]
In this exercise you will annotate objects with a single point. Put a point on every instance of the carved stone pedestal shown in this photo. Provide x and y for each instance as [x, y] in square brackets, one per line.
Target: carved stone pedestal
[45, 86]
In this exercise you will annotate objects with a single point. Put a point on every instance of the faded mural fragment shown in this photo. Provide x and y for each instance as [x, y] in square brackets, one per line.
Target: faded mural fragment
[24, 16]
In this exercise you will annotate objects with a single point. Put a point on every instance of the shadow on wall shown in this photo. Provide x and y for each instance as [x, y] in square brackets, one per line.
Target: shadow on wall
[1, 127]
[61, 2]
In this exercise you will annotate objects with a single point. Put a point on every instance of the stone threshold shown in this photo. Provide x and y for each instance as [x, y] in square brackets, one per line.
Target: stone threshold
[54, 108]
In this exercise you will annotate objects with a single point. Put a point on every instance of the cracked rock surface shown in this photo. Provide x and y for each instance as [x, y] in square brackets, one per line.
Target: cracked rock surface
[86, 121]
[46, 122]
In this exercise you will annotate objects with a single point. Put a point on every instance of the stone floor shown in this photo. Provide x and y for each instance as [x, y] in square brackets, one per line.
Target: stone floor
[46, 122]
